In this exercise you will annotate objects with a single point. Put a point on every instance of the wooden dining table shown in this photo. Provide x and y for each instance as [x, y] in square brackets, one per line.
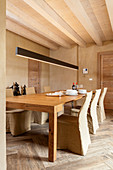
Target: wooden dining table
[43, 103]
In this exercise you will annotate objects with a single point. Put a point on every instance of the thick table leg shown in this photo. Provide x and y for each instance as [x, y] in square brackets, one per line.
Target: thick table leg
[52, 136]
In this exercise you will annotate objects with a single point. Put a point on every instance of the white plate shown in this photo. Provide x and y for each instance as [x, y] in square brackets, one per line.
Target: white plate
[82, 91]
[56, 94]
[71, 94]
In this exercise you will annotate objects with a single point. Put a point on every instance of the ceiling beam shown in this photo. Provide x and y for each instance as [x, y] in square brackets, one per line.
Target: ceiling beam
[50, 15]
[109, 4]
[26, 33]
[23, 19]
[80, 13]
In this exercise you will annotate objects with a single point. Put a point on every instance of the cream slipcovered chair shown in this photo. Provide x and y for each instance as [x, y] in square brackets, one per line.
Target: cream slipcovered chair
[47, 89]
[18, 121]
[39, 117]
[100, 108]
[92, 115]
[31, 90]
[73, 132]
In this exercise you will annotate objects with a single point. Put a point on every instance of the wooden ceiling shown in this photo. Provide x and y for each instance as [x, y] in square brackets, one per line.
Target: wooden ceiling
[54, 23]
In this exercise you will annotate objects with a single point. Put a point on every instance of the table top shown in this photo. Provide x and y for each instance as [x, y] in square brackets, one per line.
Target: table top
[42, 99]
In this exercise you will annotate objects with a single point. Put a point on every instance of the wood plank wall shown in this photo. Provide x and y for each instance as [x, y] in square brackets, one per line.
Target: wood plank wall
[34, 72]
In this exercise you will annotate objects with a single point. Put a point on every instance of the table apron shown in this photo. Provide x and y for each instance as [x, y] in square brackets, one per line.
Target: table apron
[40, 108]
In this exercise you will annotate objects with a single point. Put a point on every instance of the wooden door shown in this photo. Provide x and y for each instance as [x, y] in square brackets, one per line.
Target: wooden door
[106, 77]
[34, 75]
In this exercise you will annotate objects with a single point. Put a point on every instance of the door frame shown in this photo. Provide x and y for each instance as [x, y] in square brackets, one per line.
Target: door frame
[99, 64]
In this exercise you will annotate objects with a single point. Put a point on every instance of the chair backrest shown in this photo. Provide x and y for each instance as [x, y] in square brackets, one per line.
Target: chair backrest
[9, 92]
[101, 100]
[83, 125]
[84, 108]
[30, 90]
[47, 89]
[94, 102]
